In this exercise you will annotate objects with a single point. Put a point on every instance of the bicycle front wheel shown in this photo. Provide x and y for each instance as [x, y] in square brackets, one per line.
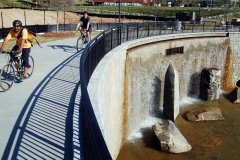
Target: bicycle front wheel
[31, 63]
[79, 44]
[7, 77]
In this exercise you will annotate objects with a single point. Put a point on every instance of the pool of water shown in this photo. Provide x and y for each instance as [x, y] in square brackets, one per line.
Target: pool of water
[211, 140]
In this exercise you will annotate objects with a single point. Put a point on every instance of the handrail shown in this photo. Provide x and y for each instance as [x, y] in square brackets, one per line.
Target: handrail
[94, 144]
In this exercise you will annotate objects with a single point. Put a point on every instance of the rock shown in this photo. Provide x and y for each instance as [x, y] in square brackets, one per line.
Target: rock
[210, 84]
[171, 139]
[205, 114]
[234, 95]
[171, 94]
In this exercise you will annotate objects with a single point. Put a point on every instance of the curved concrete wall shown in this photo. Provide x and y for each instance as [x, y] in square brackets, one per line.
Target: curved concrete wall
[127, 85]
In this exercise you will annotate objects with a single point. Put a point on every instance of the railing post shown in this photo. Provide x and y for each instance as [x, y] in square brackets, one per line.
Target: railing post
[127, 32]
[148, 29]
[111, 38]
[160, 31]
[172, 27]
[120, 35]
[203, 26]
[214, 26]
[192, 27]
[137, 30]
[183, 26]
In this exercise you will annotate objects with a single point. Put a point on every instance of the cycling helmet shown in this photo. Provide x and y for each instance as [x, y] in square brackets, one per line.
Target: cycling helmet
[17, 22]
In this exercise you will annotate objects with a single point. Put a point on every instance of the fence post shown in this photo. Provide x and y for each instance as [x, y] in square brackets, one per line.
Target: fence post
[172, 26]
[25, 18]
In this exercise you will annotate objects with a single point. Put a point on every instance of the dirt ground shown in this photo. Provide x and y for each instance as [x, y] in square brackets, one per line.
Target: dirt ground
[37, 17]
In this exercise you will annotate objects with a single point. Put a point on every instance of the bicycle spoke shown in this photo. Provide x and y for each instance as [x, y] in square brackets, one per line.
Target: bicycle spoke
[7, 77]
[31, 63]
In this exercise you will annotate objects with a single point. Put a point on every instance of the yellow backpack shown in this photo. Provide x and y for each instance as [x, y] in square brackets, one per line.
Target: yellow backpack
[31, 36]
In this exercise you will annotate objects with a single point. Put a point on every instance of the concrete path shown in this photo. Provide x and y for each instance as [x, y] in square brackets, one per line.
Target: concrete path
[36, 114]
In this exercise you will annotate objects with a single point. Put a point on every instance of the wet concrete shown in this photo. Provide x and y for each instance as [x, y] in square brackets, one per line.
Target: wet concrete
[211, 140]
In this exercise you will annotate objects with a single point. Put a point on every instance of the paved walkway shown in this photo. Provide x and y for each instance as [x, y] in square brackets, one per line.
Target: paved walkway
[36, 114]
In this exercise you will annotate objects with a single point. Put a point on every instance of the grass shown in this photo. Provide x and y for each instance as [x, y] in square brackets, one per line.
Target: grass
[49, 37]
[158, 11]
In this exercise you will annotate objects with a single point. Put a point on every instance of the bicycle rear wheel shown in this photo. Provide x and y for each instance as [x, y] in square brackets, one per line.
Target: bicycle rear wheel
[31, 63]
[79, 44]
[7, 77]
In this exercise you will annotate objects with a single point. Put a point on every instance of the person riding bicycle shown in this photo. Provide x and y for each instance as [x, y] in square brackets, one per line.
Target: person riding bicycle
[22, 47]
[85, 25]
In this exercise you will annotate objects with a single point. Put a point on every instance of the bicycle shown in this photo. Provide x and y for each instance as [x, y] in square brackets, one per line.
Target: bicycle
[12, 69]
[81, 41]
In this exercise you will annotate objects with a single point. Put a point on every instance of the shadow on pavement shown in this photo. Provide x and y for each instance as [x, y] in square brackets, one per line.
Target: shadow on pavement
[43, 129]
[65, 48]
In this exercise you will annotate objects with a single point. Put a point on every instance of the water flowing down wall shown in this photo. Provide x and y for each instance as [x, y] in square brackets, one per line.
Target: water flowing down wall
[128, 84]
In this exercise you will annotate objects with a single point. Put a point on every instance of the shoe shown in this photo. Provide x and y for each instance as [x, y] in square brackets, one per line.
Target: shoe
[24, 77]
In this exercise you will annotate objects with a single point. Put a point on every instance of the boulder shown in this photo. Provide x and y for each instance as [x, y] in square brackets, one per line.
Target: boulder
[205, 114]
[210, 84]
[171, 94]
[171, 139]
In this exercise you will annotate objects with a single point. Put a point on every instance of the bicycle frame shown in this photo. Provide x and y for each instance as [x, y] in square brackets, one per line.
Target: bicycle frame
[16, 63]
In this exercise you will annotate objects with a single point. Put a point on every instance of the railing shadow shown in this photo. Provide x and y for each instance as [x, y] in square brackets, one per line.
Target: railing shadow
[65, 48]
[43, 129]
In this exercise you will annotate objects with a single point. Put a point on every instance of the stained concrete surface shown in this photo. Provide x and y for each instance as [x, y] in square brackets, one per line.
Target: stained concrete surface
[36, 114]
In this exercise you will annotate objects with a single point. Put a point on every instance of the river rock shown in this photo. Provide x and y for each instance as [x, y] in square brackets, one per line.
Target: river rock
[171, 139]
[210, 84]
[171, 94]
[234, 95]
[205, 114]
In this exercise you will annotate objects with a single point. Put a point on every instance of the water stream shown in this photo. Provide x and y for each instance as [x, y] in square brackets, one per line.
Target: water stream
[211, 140]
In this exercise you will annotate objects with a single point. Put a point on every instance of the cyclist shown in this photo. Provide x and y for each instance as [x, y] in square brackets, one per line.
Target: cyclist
[22, 47]
[85, 25]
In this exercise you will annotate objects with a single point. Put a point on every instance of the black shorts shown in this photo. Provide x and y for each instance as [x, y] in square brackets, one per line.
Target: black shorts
[89, 29]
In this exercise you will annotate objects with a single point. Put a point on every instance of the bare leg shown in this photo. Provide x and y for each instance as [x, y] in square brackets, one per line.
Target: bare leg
[89, 37]
[25, 71]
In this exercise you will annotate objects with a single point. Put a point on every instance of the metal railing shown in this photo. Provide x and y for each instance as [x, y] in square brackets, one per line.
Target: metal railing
[93, 142]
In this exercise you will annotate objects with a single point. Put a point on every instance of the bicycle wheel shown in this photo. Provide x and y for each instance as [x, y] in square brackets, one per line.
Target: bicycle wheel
[79, 44]
[7, 77]
[31, 63]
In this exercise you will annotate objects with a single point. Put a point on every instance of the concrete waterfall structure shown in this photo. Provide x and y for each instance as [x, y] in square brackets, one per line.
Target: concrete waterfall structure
[127, 85]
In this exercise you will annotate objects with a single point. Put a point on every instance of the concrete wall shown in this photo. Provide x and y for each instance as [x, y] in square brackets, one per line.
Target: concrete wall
[127, 85]
[234, 58]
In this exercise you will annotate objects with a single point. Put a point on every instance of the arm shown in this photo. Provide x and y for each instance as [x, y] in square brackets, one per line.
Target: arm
[78, 26]
[24, 38]
[9, 36]
[88, 24]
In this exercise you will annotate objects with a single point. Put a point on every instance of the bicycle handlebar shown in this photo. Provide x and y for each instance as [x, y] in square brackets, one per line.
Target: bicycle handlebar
[5, 52]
